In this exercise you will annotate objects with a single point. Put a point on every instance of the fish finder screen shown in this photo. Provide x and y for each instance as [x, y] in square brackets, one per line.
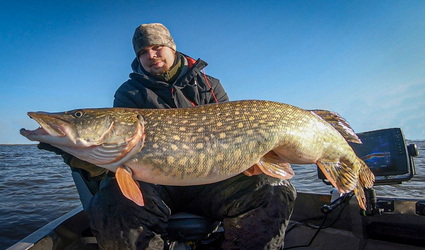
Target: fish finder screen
[385, 152]
[376, 153]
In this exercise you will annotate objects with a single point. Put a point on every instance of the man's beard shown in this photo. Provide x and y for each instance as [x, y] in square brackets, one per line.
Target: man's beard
[159, 71]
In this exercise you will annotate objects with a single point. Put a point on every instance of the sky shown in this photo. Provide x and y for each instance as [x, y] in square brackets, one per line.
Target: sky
[363, 59]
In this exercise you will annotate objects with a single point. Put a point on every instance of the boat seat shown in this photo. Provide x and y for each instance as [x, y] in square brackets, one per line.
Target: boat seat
[181, 226]
[190, 227]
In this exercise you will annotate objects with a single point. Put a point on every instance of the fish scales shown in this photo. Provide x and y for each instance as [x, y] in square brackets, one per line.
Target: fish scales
[209, 143]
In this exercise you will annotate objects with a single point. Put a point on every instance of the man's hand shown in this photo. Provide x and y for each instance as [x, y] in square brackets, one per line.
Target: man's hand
[89, 167]
[49, 147]
[72, 161]
[65, 156]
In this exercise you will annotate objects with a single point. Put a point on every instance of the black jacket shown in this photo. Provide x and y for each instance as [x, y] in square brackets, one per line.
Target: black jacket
[192, 87]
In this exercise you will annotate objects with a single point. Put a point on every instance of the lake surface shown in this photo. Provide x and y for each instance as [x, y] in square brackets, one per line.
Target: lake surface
[36, 187]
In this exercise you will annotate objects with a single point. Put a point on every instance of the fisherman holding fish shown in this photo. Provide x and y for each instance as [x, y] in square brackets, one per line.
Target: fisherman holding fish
[254, 209]
[167, 152]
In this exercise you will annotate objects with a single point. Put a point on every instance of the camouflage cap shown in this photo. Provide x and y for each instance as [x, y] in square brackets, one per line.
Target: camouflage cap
[152, 34]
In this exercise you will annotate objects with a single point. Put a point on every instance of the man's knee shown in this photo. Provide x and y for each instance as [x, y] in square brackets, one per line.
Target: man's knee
[119, 223]
[264, 220]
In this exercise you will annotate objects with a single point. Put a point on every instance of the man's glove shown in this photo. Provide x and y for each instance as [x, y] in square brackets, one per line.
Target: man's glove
[72, 161]
[65, 156]
[49, 147]
[94, 170]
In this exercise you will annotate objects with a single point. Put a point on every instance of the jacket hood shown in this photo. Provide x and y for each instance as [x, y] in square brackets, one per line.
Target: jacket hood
[136, 66]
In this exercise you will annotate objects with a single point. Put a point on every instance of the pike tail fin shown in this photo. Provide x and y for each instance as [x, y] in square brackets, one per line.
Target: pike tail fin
[360, 196]
[345, 178]
[366, 180]
[129, 187]
[366, 177]
[339, 174]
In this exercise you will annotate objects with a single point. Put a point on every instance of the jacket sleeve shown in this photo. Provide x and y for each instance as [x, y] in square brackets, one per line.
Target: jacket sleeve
[127, 97]
[218, 90]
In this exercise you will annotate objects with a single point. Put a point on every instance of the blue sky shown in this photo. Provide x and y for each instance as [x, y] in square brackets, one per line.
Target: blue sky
[362, 59]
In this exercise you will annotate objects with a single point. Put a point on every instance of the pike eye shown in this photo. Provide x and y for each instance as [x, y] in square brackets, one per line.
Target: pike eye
[78, 113]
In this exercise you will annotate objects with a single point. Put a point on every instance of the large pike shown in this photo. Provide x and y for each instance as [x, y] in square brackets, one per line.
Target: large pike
[207, 144]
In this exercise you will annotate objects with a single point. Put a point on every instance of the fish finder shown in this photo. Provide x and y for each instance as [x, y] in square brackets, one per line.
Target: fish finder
[387, 155]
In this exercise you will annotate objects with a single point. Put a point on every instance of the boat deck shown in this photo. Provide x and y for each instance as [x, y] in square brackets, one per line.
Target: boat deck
[400, 226]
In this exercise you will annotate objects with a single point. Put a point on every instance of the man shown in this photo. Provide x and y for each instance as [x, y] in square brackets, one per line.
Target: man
[255, 210]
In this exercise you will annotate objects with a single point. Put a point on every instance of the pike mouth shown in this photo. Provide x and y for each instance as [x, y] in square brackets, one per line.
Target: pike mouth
[105, 149]
[36, 132]
[52, 129]
[46, 128]
[56, 130]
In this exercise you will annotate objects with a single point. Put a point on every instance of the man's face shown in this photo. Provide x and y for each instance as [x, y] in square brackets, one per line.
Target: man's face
[157, 59]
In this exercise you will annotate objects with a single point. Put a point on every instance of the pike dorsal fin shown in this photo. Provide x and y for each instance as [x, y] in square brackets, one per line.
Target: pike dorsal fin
[339, 123]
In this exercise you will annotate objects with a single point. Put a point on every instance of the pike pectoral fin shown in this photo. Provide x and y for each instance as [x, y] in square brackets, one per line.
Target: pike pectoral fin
[129, 187]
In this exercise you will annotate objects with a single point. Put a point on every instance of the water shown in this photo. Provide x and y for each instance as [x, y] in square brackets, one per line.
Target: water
[36, 187]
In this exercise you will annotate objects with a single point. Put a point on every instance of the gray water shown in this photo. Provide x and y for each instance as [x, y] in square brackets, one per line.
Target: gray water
[36, 187]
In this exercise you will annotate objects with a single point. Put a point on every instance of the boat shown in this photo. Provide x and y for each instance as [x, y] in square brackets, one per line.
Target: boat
[319, 221]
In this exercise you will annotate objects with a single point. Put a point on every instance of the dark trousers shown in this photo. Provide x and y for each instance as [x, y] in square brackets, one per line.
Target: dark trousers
[255, 212]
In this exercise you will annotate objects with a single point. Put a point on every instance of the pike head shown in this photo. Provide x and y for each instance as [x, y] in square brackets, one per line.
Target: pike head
[104, 137]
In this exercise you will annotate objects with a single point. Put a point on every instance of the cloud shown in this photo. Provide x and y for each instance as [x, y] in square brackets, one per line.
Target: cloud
[401, 106]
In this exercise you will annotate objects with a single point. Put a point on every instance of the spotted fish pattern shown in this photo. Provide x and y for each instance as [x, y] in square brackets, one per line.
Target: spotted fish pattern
[209, 143]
